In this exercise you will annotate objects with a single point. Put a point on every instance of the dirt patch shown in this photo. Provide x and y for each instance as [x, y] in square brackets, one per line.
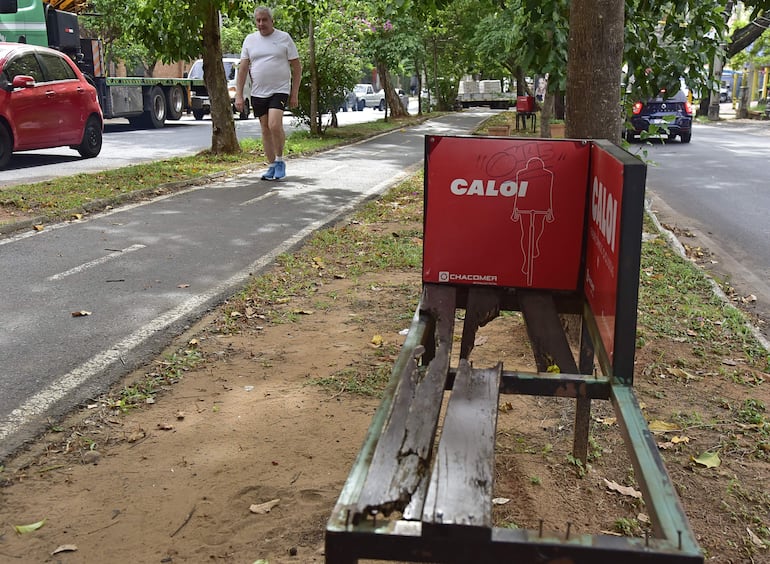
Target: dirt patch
[174, 481]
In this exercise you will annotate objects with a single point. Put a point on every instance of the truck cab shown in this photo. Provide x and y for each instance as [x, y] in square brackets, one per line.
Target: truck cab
[199, 96]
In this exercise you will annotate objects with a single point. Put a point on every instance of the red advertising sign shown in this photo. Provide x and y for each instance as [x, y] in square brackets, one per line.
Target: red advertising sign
[603, 246]
[504, 212]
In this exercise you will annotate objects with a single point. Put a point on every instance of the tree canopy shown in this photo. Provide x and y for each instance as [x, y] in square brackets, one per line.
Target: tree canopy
[440, 41]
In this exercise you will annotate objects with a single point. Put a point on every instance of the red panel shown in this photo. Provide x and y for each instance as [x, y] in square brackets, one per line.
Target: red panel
[603, 247]
[525, 103]
[504, 212]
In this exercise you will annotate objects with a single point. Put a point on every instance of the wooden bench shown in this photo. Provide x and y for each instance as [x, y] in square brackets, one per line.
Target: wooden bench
[422, 485]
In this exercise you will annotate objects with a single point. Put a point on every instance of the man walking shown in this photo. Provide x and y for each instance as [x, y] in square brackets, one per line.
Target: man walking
[271, 58]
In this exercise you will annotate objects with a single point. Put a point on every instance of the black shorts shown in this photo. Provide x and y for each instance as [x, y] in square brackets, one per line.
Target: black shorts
[276, 101]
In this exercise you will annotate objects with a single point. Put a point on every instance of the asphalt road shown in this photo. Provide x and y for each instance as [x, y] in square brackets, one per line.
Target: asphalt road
[713, 192]
[146, 272]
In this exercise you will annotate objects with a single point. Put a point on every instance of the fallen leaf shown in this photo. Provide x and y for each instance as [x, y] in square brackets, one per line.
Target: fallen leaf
[165, 427]
[662, 426]
[377, 341]
[303, 312]
[39, 227]
[676, 439]
[624, 490]
[708, 459]
[729, 362]
[500, 500]
[606, 420]
[81, 313]
[263, 508]
[136, 435]
[480, 341]
[65, 548]
[680, 373]
[755, 540]
[77, 216]
[22, 529]
[643, 518]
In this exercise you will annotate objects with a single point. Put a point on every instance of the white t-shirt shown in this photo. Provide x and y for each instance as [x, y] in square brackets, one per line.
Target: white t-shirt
[269, 58]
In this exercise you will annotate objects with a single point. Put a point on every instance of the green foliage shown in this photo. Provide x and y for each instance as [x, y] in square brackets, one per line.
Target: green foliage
[337, 61]
[234, 31]
[174, 30]
[114, 24]
[666, 40]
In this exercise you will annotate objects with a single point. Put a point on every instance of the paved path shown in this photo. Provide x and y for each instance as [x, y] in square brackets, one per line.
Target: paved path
[146, 271]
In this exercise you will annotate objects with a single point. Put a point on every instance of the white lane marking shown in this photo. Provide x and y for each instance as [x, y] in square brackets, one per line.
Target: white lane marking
[336, 168]
[95, 262]
[258, 198]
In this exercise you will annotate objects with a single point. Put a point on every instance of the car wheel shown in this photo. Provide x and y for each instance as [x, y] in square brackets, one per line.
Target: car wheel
[6, 146]
[361, 105]
[685, 137]
[381, 107]
[92, 139]
[198, 114]
[174, 102]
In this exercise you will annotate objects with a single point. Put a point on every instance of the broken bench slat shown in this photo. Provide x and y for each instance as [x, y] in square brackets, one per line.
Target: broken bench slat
[483, 306]
[460, 491]
[403, 453]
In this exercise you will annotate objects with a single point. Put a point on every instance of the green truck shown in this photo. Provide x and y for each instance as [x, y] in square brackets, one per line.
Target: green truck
[145, 102]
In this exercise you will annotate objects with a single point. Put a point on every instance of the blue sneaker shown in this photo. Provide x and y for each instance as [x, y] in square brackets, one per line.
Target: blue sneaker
[270, 174]
[280, 170]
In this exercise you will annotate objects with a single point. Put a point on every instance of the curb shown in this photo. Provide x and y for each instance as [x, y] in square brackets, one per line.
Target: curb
[674, 243]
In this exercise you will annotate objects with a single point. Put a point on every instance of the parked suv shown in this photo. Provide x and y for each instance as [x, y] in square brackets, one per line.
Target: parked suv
[199, 97]
[672, 115]
[45, 101]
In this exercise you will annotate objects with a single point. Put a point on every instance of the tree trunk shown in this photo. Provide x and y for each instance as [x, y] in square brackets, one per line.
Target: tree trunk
[315, 119]
[744, 101]
[746, 35]
[593, 70]
[223, 137]
[713, 103]
[546, 113]
[521, 82]
[391, 98]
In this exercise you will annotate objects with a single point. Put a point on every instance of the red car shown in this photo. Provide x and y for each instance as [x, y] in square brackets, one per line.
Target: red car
[45, 101]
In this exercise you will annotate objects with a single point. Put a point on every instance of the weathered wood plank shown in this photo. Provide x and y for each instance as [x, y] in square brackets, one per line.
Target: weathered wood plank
[460, 491]
[549, 343]
[403, 454]
[483, 306]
